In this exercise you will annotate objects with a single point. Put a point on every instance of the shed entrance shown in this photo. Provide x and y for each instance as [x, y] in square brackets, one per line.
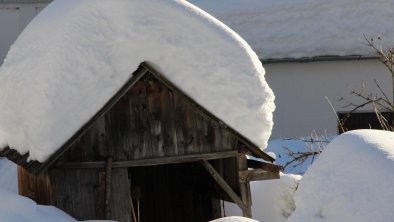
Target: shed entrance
[173, 192]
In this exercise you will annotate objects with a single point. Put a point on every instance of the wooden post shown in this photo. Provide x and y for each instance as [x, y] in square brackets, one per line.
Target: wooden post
[245, 187]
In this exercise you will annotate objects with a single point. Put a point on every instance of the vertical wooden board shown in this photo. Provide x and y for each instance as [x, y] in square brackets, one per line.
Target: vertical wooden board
[217, 137]
[61, 188]
[168, 132]
[229, 141]
[118, 129]
[209, 134]
[154, 118]
[140, 133]
[120, 193]
[100, 139]
[44, 190]
[73, 181]
[185, 126]
[88, 183]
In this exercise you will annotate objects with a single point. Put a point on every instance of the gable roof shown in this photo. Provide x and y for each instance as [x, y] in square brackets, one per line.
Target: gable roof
[278, 29]
[83, 53]
[37, 167]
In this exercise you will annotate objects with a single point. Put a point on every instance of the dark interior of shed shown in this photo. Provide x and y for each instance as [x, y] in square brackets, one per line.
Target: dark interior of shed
[174, 192]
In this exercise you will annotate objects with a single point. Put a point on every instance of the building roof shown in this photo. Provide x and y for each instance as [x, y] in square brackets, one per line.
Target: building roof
[37, 167]
[85, 51]
[278, 29]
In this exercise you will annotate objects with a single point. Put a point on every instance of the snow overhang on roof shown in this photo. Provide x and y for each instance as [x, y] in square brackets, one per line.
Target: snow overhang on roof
[278, 29]
[76, 55]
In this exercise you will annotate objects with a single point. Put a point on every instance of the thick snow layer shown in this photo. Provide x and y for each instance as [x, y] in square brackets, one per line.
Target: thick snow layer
[305, 28]
[8, 176]
[15, 208]
[273, 200]
[75, 55]
[352, 180]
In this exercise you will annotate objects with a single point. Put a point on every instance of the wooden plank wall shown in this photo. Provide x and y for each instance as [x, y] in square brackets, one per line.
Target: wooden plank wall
[149, 121]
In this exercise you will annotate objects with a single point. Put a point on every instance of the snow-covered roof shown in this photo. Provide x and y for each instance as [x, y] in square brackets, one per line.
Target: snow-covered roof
[75, 55]
[305, 28]
[352, 180]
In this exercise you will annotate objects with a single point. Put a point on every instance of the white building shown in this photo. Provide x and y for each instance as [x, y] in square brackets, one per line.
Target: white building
[14, 16]
[310, 49]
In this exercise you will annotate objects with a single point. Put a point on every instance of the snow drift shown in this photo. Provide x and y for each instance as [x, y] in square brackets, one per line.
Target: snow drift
[273, 200]
[15, 208]
[352, 180]
[305, 28]
[75, 55]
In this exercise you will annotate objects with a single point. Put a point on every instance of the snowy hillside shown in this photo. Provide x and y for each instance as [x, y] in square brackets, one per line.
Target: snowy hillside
[305, 28]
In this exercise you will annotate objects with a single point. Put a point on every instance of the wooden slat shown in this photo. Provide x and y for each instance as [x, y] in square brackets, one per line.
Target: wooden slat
[149, 162]
[185, 126]
[258, 174]
[270, 167]
[223, 184]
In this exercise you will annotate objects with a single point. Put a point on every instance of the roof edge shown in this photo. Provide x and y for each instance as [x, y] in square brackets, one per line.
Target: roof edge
[326, 58]
[36, 167]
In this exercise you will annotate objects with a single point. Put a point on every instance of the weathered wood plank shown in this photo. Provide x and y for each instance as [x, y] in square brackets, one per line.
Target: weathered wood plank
[154, 117]
[223, 184]
[140, 133]
[258, 174]
[185, 126]
[270, 167]
[149, 162]
[170, 144]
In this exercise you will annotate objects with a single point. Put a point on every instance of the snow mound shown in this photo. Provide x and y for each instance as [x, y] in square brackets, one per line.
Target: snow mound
[352, 180]
[305, 28]
[234, 219]
[273, 200]
[75, 55]
[15, 208]
[8, 176]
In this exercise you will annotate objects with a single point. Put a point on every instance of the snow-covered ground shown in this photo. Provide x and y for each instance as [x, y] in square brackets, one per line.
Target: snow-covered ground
[351, 181]
[305, 28]
[15, 208]
[8, 176]
[234, 219]
[272, 199]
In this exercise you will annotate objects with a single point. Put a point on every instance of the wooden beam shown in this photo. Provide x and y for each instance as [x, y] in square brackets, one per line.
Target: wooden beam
[223, 184]
[270, 167]
[258, 174]
[150, 162]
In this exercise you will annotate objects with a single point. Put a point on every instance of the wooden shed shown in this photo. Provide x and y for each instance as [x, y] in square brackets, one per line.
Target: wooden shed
[150, 154]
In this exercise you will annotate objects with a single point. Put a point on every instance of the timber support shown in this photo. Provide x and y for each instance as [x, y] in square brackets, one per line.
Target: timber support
[223, 184]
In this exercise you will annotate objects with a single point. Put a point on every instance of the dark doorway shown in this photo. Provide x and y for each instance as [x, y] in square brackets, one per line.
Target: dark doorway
[175, 192]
